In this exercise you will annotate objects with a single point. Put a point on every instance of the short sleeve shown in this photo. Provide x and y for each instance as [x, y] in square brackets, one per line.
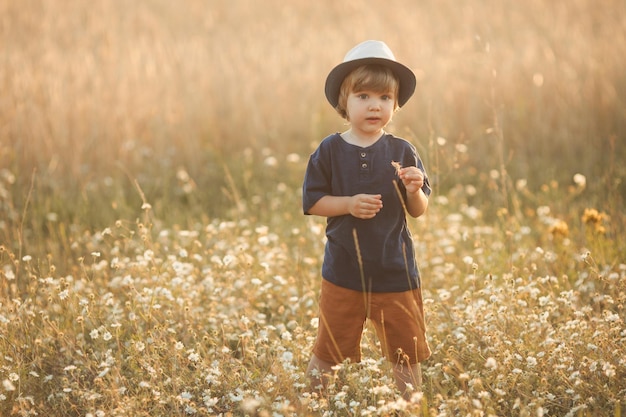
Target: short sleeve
[317, 180]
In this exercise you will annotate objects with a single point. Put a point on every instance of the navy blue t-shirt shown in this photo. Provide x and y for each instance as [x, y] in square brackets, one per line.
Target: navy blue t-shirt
[385, 246]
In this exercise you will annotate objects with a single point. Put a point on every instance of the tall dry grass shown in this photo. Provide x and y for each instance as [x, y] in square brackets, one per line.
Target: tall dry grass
[96, 93]
[153, 256]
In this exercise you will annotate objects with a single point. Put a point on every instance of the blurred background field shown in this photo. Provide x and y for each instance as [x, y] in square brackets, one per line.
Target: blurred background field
[131, 126]
[97, 95]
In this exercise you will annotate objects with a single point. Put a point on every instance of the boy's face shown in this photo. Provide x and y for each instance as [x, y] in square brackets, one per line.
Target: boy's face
[369, 111]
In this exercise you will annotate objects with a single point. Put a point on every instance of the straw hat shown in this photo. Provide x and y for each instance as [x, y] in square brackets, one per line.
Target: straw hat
[370, 52]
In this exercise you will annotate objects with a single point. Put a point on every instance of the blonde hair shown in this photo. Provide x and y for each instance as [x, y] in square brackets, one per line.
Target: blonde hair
[377, 78]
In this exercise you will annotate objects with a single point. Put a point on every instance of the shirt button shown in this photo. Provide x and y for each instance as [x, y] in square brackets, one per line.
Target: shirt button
[364, 165]
[363, 154]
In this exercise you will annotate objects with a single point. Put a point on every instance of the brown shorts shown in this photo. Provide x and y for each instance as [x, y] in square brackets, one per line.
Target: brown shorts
[397, 316]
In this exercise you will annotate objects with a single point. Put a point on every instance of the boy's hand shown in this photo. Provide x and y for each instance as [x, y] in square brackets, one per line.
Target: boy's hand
[365, 206]
[412, 178]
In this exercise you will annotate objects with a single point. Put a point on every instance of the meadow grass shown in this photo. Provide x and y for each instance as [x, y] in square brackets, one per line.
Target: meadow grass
[153, 255]
[525, 317]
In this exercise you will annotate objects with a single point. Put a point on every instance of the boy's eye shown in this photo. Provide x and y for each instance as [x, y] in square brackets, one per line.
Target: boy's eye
[365, 96]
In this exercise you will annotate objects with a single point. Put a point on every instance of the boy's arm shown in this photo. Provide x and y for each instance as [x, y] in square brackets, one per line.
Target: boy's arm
[416, 200]
[362, 206]
[416, 203]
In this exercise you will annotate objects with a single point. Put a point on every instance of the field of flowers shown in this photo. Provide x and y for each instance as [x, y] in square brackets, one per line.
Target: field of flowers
[154, 259]
[525, 314]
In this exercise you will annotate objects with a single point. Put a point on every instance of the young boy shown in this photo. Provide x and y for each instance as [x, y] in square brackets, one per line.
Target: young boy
[363, 180]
